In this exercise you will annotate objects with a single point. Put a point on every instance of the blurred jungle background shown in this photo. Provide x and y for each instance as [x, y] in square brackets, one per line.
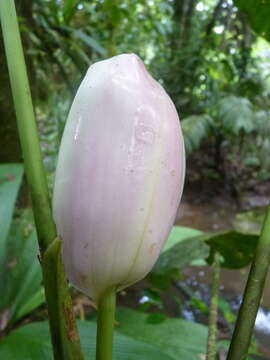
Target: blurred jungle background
[213, 58]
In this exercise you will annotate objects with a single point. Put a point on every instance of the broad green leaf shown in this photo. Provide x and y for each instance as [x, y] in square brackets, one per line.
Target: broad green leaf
[30, 303]
[180, 339]
[181, 255]
[258, 14]
[236, 248]
[10, 180]
[20, 278]
[32, 342]
[178, 234]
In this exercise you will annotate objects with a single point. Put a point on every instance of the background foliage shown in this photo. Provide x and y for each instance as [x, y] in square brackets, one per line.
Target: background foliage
[211, 58]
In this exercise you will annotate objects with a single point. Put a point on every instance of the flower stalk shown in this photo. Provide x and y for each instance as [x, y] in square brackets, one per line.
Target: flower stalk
[213, 311]
[252, 295]
[105, 325]
[26, 124]
[57, 294]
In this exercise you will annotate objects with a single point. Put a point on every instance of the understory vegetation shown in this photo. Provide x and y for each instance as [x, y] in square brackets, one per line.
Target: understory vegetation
[212, 57]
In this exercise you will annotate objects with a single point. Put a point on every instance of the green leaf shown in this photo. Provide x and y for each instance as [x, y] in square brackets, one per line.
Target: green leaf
[258, 14]
[180, 339]
[181, 255]
[185, 244]
[69, 9]
[88, 40]
[113, 12]
[20, 278]
[32, 342]
[156, 318]
[236, 115]
[196, 129]
[237, 249]
[178, 234]
[10, 180]
[184, 247]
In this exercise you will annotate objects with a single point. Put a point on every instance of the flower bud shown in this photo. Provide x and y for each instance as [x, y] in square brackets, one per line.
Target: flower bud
[119, 177]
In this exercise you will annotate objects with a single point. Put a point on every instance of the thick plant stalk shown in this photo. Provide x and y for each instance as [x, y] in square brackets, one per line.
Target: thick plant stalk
[62, 322]
[26, 124]
[59, 303]
[252, 296]
[105, 325]
[213, 311]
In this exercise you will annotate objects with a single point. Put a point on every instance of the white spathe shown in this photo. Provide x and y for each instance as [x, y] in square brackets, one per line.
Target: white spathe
[119, 177]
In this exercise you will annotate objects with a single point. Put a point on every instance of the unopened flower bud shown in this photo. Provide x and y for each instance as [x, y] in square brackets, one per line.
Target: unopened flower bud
[119, 177]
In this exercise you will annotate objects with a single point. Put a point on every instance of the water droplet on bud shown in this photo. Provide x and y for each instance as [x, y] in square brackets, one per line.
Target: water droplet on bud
[145, 134]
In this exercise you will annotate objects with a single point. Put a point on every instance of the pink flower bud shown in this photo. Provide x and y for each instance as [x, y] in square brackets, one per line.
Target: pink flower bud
[119, 177]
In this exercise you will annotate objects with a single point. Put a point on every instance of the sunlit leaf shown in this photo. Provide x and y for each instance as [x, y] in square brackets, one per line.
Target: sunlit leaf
[178, 234]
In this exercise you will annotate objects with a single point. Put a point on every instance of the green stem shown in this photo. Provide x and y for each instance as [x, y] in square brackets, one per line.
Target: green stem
[64, 345]
[65, 338]
[213, 311]
[105, 325]
[252, 296]
[26, 124]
